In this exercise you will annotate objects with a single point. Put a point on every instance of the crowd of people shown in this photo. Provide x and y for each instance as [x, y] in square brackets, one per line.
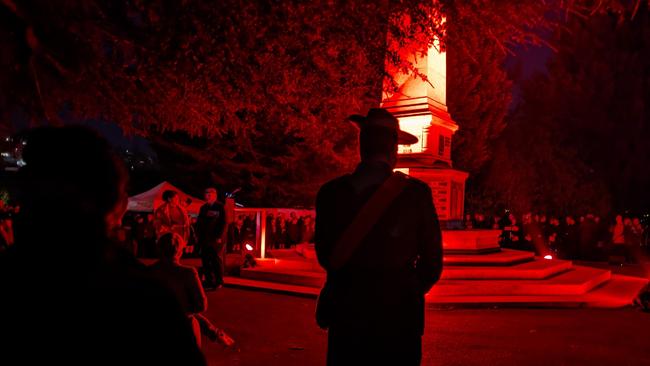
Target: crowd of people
[140, 231]
[285, 233]
[587, 237]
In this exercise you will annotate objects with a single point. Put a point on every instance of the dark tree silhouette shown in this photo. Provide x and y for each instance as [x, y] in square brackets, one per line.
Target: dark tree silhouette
[578, 140]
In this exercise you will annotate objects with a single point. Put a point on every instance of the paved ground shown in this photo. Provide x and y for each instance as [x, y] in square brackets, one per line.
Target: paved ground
[279, 330]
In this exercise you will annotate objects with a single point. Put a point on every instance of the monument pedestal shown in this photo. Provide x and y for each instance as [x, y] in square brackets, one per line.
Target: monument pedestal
[475, 272]
[470, 241]
[447, 187]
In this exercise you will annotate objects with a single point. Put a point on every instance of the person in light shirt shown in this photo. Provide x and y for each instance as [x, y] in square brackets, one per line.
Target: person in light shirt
[171, 217]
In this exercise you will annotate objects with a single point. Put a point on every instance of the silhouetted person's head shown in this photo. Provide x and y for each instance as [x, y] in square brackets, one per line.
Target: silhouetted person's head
[72, 187]
[379, 136]
[210, 195]
[170, 196]
[170, 247]
[378, 144]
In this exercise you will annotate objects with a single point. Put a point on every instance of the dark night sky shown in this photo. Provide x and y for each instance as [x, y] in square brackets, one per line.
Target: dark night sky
[532, 60]
[526, 62]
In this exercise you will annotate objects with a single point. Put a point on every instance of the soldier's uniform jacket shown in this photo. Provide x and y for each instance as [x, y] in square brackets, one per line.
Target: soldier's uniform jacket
[382, 287]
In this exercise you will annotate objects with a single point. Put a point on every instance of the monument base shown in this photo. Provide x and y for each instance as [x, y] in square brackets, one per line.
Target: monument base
[470, 241]
[475, 272]
[447, 186]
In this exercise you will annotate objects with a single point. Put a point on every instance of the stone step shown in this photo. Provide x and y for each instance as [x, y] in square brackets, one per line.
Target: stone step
[576, 281]
[618, 292]
[505, 257]
[282, 275]
[290, 264]
[535, 270]
[562, 279]
[273, 287]
[470, 241]
[298, 252]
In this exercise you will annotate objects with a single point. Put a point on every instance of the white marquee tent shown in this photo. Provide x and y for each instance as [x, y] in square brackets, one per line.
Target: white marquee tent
[150, 200]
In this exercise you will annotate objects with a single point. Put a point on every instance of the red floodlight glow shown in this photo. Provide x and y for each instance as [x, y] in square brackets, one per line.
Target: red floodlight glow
[548, 256]
[249, 247]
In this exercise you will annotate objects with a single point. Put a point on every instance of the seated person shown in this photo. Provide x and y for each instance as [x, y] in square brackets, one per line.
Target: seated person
[185, 283]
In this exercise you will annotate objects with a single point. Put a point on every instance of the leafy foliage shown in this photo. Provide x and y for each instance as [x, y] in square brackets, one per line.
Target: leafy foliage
[578, 140]
[255, 93]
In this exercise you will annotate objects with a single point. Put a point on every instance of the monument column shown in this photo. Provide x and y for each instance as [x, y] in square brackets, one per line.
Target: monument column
[421, 108]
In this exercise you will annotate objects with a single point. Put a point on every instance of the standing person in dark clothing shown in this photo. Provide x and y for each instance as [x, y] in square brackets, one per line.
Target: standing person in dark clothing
[149, 235]
[293, 230]
[6, 227]
[235, 236]
[308, 230]
[570, 238]
[280, 232]
[138, 236]
[376, 312]
[66, 278]
[530, 232]
[602, 237]
[185, 283]
[210, 225]
[588, 238]
[553, 236]
[511, 233]
[248, 230]
[502, 223]
[543, 228]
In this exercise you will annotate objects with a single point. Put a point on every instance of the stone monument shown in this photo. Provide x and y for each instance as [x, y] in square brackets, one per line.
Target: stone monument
[421, 107]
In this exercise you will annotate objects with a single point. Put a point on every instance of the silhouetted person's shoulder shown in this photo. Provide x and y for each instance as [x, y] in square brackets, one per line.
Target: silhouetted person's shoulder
[115, 311]
[333, 186]
[344, 182]
[416, 185]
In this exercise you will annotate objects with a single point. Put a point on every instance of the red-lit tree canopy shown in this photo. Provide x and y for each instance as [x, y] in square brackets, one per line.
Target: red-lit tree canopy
[255, 92]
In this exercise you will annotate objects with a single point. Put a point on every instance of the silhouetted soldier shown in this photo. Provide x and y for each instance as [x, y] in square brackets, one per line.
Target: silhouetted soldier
[209, 231]
[373, 302]
[69, 295]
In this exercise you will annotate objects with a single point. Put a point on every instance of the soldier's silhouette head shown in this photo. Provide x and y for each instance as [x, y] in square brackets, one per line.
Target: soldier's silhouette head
[379, 136]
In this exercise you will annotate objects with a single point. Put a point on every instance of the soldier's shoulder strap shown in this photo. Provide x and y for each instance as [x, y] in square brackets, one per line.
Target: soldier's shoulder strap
[366, 218]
